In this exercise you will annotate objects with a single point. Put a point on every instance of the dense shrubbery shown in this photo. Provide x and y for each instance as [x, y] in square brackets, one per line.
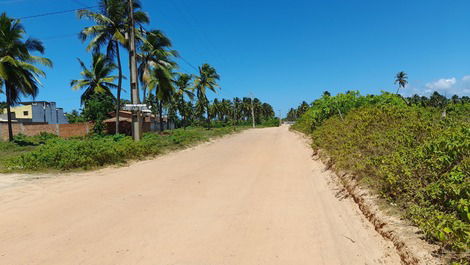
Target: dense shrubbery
[417, 157]
[273, 122]
[42, 138]
[328, 106]
[98, 151]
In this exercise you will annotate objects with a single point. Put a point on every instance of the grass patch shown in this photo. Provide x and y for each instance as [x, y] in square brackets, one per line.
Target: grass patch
[94, 152]
[10, 150]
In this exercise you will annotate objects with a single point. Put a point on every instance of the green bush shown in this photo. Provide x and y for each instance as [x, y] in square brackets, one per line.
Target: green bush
[338, 106]
[412, 155]
[274, 122]
[42, 138]
[98, 151]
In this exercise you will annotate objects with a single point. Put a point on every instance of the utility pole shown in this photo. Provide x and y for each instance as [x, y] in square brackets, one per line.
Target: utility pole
[136, 134]
[252, 110]
[280, 117]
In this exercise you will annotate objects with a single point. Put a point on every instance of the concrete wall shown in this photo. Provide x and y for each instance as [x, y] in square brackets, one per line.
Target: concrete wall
[38, 113]
[62, 130]
[61, 119]
[53, 110]
[20, 112]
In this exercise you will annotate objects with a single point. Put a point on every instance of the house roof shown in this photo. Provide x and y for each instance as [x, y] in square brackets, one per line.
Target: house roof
[31, 102]
[121, 119]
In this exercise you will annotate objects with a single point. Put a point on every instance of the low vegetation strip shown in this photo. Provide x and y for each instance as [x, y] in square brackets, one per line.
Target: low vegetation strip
[415, 156]
[48, 152]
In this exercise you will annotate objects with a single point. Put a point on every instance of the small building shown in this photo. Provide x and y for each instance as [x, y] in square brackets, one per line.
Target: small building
[37, 112]
[150, 123]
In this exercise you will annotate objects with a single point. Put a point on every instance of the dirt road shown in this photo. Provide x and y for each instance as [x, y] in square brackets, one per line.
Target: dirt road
[252, 198]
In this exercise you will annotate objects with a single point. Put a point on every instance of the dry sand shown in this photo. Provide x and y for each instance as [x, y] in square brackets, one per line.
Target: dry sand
[252, 198]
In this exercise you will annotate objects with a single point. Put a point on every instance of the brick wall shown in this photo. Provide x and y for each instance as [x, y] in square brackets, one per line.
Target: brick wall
[63, 130]
[75, 129]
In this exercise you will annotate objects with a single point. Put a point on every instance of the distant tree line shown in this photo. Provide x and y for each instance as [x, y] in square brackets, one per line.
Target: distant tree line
[435, 100]
[187, 113]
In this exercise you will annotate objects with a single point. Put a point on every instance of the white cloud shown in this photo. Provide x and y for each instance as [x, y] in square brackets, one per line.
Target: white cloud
[446, 86]
[442, 84]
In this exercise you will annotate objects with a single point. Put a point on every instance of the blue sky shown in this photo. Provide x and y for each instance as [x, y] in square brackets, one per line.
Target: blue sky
[281, 51]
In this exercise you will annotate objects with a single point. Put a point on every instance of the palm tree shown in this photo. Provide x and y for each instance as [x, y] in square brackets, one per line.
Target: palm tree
[98, 79]
[237, 109]
[183, 89]
[246, 108]
[227, 110]
[302, 108]
[268, 111]
[207, 79]
[401, 79]
[292, 115]
[156, 53]
[110, 32]
[18, 72]
[156, 68]
[161, 80]
[257, 110]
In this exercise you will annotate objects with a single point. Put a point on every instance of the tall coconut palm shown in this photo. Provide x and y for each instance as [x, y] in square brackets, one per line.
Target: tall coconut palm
[246, 108]
[183, 88]
[156, 52]
[109, 31]
[227, 109]
[98, 79]
[401, 79]
[207, 79]
[18, 72]
[237, 109]
[156, 67]
[161, 81]
[267, 111]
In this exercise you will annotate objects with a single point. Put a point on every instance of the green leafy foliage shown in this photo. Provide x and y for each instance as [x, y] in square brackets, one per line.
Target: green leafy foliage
[339, 105]
[414, 156]
[273, 122]
[97, 109]
[74, 117]
[41, 138]
[97, 151]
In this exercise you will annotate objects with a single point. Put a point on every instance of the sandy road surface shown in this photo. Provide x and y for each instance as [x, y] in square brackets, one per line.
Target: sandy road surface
[252, 198]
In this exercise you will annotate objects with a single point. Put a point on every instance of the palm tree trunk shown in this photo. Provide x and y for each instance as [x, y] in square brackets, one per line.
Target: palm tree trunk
[208, 118]
[118, 98]
[160, 114]
[10, 129]
[168, 122]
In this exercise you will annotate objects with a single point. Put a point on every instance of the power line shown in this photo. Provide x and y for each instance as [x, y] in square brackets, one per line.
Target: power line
[188, 63]
[57, 12]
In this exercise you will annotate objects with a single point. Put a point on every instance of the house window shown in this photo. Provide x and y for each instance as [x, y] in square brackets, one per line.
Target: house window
[25, 113]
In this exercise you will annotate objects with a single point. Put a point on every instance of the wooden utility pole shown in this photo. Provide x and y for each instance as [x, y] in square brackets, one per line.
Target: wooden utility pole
[136, 133]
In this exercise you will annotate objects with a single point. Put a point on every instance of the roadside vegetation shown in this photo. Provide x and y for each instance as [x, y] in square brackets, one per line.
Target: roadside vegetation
[415, 152]
[48, 152]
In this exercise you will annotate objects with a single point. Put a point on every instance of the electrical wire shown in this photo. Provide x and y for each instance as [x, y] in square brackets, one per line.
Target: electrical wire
[188, 63]
[57, 12]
